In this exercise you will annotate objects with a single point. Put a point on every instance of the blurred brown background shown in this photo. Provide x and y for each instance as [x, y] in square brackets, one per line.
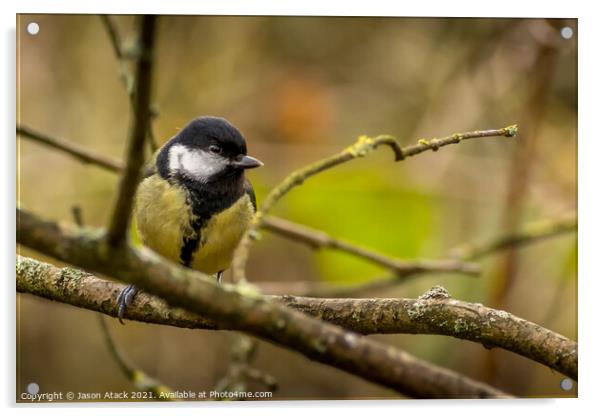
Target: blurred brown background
[301, 88]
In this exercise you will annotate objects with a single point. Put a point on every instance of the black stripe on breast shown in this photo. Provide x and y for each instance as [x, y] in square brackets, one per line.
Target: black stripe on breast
[205, 201]
[191, 244]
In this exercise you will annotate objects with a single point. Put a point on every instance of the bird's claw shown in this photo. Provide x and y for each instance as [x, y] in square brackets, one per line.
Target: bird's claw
[125, 299]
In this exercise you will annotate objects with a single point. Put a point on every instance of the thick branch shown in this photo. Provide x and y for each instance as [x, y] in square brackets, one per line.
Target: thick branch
[318, 239]
[135, 156]
[247, 311]
[361, 148]
[433, 313]
[532, 232]
[80, 153]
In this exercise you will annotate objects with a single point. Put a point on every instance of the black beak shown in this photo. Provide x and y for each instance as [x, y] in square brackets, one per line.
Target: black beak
[247, 162]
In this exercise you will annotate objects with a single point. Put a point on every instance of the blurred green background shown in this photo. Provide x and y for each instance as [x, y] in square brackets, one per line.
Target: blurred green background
[302, 88]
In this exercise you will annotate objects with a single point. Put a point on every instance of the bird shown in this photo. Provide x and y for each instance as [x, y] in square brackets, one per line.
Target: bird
[194, 203]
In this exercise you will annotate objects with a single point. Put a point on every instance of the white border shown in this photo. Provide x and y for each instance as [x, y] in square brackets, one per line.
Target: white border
[590, 291]
[507, 8]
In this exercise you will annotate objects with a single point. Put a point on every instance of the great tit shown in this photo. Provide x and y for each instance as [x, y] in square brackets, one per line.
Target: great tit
[194, 203]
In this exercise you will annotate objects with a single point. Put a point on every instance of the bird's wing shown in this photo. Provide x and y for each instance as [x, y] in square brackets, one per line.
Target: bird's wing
[149, 170]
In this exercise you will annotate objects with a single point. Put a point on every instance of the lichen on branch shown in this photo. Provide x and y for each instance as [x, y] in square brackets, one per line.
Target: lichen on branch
[435, 312]
[363, 146]
[253, 314]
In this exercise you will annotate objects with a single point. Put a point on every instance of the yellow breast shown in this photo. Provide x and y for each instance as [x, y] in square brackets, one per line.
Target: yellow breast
[220, 236]
[163, 219]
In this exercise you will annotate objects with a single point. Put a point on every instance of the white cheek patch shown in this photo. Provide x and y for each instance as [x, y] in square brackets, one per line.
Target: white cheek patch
[196, 163]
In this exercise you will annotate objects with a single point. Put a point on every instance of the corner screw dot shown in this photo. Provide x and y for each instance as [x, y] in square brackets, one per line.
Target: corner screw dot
[33, 388]
[566, 384]
[566, 32]
[33, 28]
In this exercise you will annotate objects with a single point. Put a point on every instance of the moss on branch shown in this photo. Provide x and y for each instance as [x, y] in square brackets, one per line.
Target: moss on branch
[257, 315]
[363, 146]
[433, 313]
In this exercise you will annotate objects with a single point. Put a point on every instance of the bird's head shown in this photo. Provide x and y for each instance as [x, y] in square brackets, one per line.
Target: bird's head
[207, 149]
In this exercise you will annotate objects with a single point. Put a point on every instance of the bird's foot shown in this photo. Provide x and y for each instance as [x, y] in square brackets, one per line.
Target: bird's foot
[219, 277]
[125, 299]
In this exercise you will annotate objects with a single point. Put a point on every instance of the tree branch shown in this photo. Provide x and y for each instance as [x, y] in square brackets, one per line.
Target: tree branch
[433, 313]
[135, 157]
[242, 353]
[361, 148]
[246, 311]
[80, 153]
[318, 239]
[435, 144]
[113, 37]
[125, 73]
[531, 232]
[139, 378]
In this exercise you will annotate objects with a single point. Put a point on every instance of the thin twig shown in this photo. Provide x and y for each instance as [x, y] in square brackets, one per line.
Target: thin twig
[321, 289]
[361, 148]
[530, 233]
[242, 353]
[135, 158]
[435, 144]
[113, 35]
[317, 239]
[433, 313]
[126, 74]
[80, 153]
[245, 311]
[119, 357]
[78, 218]
[378, 285]
[139, 378]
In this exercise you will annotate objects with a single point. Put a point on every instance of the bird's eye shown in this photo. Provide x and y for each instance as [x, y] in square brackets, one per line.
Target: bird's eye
[215, 149]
